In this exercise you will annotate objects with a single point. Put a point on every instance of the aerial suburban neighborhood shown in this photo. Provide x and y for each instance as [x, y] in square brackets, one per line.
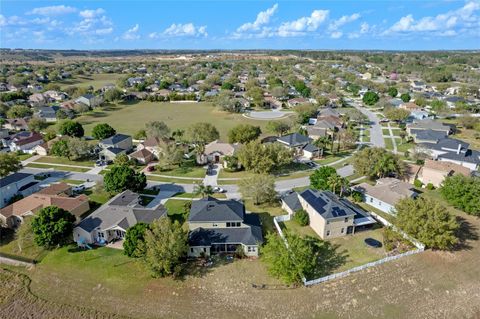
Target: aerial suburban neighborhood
[178, 180]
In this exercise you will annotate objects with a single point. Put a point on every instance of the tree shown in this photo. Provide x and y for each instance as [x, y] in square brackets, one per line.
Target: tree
[305, 112]
[243, 133]
[202, 133]
[102, 131]
[166, 245]
[60, 148]
[427, 221]
[256, 95]
[78, 148]
[170, 155]
[307, 257]
[9, 163]
[261, 188]
[395, 114]
[122, 159]
[370, 98]
[301, 217]
[405, 97]
[123, 177]
[18, 111]
[263, 158]
[113, 95]
[377, 162]
[52, 226]
[134, 244]
[392, 91]
[319, 178]
[71, 128]
[37, 124]
[203, 190]
[463, 193]
[337, 184]
[278, 127]
[157, 129]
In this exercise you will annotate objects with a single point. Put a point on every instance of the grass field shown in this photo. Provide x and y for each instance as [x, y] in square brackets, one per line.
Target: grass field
[194, 172]
[63, 161]
[95, 80]
[172, 180]
[58, 167]
[128, 118]
[72, 181]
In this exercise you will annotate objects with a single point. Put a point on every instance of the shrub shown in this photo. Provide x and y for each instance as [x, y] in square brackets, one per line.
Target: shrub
[417, 183]
[301, 217]
[357, 196]
[430, 186]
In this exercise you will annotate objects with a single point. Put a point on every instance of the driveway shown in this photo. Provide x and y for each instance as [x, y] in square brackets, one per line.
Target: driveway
[376, 134]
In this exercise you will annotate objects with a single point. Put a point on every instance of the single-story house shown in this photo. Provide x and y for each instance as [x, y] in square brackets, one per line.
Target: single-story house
[142, 156]
[428, 124]
[215, 151]
[435, 172]
[18, 124]
[222, 226]
[23, 141]
[386, 193]
[90, 100]
[111, 221]
[55, 195]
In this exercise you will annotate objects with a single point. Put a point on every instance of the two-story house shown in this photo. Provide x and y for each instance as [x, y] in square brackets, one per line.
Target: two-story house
[222, 226]
[302, 145]
[329, 215]
[115, 145]
[16, 184]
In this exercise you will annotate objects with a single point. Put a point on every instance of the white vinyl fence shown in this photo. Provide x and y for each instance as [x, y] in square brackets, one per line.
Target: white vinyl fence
[419, 248]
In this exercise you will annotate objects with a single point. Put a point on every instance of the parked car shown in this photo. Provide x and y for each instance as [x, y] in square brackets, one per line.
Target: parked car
[311, 164]
[219, 190]
[150, 168]
[79, 188]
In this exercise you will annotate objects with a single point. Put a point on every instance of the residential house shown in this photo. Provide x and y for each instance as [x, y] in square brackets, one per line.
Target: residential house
[453, 151]
[410, 106]
[90, 100]
[329, 215]
[16, 184]
[300, 144]
[18, 124]
[135, 80]
[111, 221]
[419, 115]
[37, 99]
[56, 96]
[142, 156]
[48, 113]
[115, 145]
[23, 141]
[296, 101]
[215, 151]
[55, 195]
[418, 85]
[428, 124]
[386, 193]
[435, 172]
[222, 226]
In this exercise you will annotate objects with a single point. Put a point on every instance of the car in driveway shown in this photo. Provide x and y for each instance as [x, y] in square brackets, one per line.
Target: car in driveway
[219, 190]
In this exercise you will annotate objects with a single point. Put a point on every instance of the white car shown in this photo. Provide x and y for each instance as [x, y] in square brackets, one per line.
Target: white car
[79, 188]
[218, 190]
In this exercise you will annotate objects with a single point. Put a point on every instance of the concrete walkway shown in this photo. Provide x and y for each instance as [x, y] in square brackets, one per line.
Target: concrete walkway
[30, 159]
[212, 177]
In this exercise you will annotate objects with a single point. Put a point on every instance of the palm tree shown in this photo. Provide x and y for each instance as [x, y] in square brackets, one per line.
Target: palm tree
[203, 190]
[336, 182]
[322, 143]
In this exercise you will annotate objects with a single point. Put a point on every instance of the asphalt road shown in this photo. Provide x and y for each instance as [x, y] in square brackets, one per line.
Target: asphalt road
[376, 134]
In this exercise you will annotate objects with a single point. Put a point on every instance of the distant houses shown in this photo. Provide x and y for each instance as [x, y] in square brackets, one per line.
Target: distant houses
[15, 184]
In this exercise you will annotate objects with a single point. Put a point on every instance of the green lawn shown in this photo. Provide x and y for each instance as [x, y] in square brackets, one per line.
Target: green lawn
[98, 198]
[23, 157]
[295, 228]
[63, 161]
[172, 180]
[26, 248]
[385, 131]
[58, 168]
[355, 249]
[403, 147]
[388, 143]
[128, 118]
[95, 80]
[240, 174]
[175, 209]
[194, 172]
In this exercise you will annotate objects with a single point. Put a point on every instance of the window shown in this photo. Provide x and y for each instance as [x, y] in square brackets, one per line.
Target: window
[342, 231]
[191, 250]
[251, 249]
[346, 219]
[214, 225]
[101, 235]
[328, 233]
[328, 222]
[228, 224]
[204, 249]
[238, 224]
[371, 200]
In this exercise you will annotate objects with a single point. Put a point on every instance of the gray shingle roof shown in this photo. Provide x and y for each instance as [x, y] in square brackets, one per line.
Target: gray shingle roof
[117, 138]
[292, 201]
[294, 139]
[123, 211]
[213, 210]
[12, 178]
[428, 135]
[251, 235]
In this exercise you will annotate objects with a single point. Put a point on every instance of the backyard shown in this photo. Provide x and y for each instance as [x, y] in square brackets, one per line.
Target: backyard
[128, 118]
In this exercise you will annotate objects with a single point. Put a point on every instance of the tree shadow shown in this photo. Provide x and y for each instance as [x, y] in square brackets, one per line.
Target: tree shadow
[466, 233]
[329, 260]
[200, 267]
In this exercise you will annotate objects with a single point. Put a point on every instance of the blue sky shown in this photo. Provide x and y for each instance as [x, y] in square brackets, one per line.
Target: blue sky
[390, 25]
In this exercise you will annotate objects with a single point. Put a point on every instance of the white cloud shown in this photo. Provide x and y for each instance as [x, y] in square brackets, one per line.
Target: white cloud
[90, 14]
[181, 30]
[342, 21]
[364, 27]
[439, 24]
[304, 24]
[336, 34]
[53, 10]
[132, 34]
[263, 17]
